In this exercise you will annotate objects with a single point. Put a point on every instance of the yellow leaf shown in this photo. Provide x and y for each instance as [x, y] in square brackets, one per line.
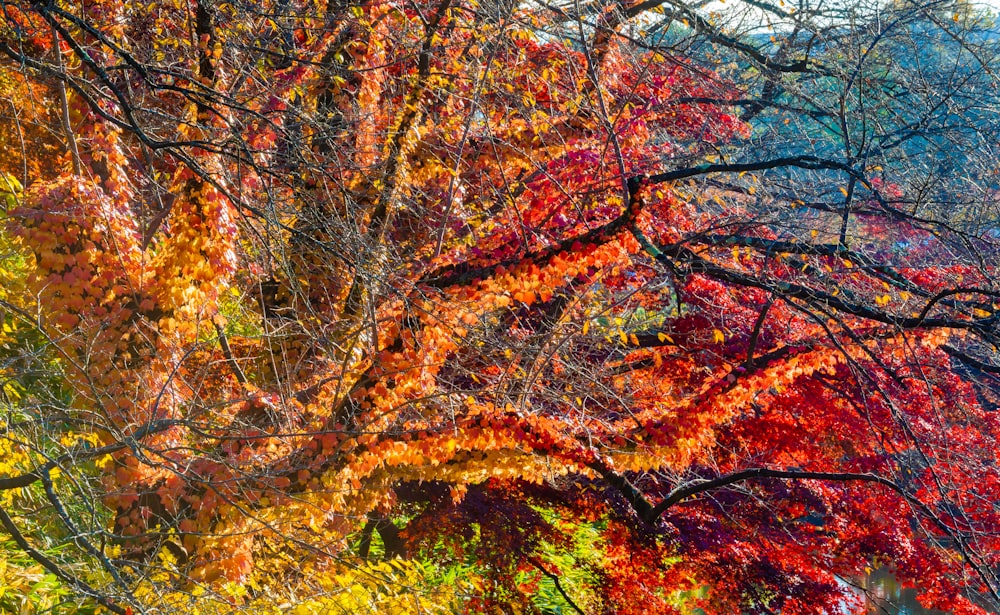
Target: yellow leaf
[718, 336]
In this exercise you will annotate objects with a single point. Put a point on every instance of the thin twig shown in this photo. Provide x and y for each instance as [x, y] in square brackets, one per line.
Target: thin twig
[67, 126]
[555, 580]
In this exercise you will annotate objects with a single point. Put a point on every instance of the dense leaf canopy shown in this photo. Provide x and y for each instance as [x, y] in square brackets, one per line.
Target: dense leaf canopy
[495, 307]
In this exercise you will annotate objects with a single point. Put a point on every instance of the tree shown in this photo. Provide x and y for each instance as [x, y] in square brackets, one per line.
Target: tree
[510, 290]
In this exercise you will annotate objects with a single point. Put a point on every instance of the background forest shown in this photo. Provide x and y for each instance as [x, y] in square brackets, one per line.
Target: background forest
[476, 306]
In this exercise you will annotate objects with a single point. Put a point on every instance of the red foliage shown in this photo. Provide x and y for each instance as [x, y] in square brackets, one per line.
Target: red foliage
[441, 256]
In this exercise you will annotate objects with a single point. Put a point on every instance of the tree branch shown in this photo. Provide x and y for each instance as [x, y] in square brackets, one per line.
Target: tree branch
[801, 162]
[810, 295]
[80, 454]
[687, 490]
[555, 579]
[81, 586]
[64, 109]
[227, 352]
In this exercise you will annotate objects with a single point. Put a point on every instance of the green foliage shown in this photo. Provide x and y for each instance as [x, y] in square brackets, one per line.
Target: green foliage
[27, 588]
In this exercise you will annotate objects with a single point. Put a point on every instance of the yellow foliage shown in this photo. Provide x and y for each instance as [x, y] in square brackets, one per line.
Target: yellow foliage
[396, 587]
[392, 588]
[13, 462]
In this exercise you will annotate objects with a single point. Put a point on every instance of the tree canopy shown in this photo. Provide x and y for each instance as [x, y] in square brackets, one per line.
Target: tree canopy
[475, 306]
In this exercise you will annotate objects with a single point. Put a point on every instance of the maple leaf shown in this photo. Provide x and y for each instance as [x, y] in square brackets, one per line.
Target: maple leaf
[517, 305]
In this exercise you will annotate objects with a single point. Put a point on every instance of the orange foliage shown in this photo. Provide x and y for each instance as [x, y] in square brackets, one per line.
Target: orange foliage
[409, 259]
